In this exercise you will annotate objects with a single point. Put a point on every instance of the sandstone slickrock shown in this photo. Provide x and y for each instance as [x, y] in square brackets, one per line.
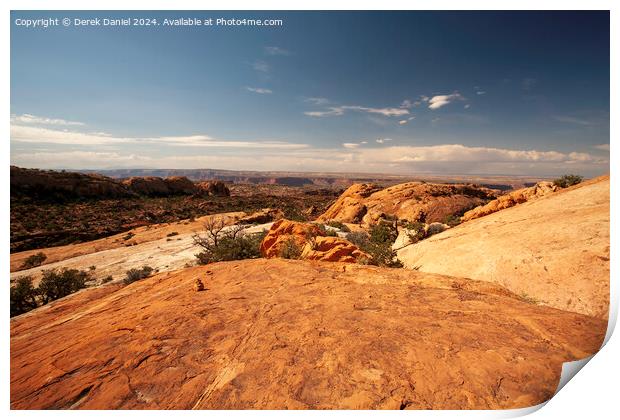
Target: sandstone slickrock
[274, 334]
[311, 242]
[511, 199]
[554, 249]
[413, 201]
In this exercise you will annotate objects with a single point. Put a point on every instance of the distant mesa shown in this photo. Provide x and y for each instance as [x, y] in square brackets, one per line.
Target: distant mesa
[61, 185]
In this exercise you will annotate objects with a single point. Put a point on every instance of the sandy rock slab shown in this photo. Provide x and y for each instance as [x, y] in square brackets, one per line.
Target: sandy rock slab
[276, 334]
[554, 250]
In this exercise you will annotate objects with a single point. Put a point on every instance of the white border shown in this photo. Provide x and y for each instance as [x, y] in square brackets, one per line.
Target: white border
[592, 394]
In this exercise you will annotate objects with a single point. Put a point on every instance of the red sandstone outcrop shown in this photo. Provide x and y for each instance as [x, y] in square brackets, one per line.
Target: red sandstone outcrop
[59, 184]
[413, 201]
[213, 188]
[309, 242]
[512, 199]
[262, 216]
[276, 334]
[554, 250]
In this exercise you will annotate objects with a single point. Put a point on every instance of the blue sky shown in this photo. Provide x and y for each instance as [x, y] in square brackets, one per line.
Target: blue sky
[513, 93]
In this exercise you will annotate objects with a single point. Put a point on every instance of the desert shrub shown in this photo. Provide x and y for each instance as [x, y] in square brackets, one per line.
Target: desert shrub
[226, 245]
[290, 250]
[452, 220]
[107, 279]
[567, 180]
[172, 234]
[378, 244]
[23, 296]
[34, 260]
[56, 284]
[338, 225]
[383, 232]
[136, 274]
[128, 236]
[417, 232]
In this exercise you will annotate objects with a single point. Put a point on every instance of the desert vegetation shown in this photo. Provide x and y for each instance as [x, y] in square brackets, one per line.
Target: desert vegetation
[136, 274]
[34, 260]
[222, 243]
[54, 284]
[378, 243]
[568, 180]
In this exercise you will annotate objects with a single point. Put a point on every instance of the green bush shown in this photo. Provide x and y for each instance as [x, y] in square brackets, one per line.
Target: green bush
[383, 232]
[452, 220]
[567, 180]
[23, 296]
[290, 250]
[34, 260]
[136, 274]
[228, 245]
[57, 284]
[378, 244]
[338, 225]
[418, 233]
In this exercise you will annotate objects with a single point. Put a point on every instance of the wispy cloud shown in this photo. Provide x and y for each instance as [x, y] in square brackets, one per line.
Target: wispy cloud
[33, 119]
[262, 91]
[276, 51]
[381, 141]
[604, 147]
[340, 110]
[27, 134]
[439, 101]
[350, 145]
[405, 121]
[262, 66]
[480, 92]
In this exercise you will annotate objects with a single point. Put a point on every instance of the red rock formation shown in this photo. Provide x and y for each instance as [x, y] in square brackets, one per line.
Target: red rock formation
[311, 243]
[59, 184]
[329, 248]
[413, 201]
[512, 199]
[213, 188]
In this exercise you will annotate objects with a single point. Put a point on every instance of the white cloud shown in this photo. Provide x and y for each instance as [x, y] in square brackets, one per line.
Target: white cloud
[480, 92]
[381, 141]
[604, 147]
[466, 106]
[276, 51]
[33, 119]
[406, 104]
[261, 66]
[340, 110]
[405, 121]
[330, 112]
[26, 134]
[438, 159]
[262, 91]
[439, 101]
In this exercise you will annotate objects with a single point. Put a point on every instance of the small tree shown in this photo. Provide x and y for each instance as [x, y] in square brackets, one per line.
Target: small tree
[567, 180]
[228, 244]
[23, 296]
[34, 260]
[290, 250]
[57, 284]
